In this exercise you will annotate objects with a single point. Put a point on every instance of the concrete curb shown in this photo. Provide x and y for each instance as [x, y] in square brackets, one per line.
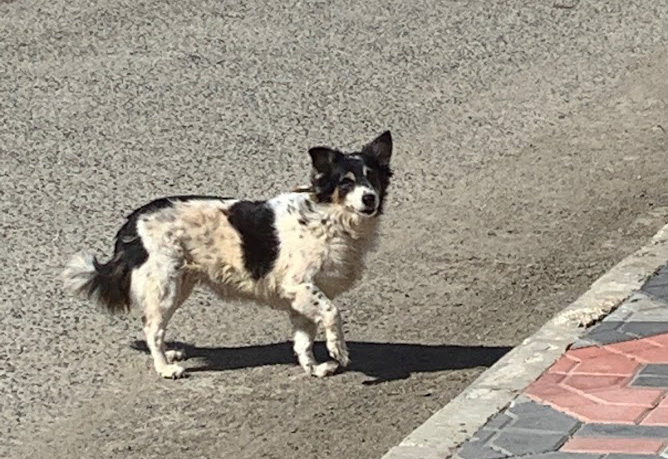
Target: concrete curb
[441, 435]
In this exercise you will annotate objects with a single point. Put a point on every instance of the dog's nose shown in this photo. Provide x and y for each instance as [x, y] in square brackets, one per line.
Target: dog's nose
[369, 200]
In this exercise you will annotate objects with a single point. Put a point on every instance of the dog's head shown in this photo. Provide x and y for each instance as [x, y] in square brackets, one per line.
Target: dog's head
[357, 181]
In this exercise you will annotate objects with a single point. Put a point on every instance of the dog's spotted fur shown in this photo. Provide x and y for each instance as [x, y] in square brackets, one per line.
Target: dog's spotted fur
[294, 252]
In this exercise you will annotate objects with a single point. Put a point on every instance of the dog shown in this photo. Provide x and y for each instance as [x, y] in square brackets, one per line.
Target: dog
[295, 252]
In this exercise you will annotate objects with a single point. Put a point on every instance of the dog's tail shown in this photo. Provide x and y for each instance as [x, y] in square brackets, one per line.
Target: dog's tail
[108, 284]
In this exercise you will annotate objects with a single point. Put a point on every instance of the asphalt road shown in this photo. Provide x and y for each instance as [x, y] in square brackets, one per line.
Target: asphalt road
[531, 154]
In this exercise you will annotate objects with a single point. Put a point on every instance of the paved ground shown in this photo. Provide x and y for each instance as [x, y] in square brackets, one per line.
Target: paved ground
[604, 398]
[530, 144]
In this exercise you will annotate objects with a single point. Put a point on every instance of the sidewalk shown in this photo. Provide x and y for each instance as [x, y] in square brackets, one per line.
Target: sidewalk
[606, 397]
[591, 383]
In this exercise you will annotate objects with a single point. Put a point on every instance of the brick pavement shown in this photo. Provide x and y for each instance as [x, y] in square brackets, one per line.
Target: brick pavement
[605, 398]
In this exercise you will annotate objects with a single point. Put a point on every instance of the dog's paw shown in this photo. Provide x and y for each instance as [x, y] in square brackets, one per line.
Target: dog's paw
[307, 372]
[339, 352]
[172, 371]
[175, 355]
[325, 369]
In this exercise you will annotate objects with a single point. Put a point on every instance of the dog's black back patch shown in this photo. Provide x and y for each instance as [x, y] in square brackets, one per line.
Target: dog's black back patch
[254, 220]
[129, 254]
[128, 241]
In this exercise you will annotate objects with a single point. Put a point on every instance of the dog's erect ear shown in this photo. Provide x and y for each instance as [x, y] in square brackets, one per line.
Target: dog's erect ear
[381, 148]
[323, 158]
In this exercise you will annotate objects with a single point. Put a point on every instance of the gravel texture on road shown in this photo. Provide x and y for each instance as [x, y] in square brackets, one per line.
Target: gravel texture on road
[530, 156]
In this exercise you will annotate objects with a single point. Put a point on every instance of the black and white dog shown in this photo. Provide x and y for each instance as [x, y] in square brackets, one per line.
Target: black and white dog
[294, 252]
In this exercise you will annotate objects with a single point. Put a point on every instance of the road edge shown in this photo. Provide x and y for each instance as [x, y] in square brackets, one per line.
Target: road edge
[441, 435]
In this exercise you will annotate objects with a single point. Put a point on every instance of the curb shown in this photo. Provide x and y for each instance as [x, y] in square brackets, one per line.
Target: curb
[441, 435]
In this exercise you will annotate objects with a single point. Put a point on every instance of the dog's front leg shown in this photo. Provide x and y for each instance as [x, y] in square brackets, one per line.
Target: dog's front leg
[304, 334]
[309, 301]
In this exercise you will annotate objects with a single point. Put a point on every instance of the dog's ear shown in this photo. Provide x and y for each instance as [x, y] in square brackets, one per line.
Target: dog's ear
[323, 158]
[380, 148]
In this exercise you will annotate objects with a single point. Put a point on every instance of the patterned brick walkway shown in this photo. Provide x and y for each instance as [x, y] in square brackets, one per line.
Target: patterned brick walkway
[605, 398]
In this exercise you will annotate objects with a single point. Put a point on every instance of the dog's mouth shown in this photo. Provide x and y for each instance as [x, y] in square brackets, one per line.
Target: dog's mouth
[369, 212]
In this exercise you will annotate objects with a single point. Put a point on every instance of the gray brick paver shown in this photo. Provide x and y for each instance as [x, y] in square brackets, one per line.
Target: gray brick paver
[534, 416]
[654, 369]
[658, 291]
[645, 328]
[651, 315]
[622, 430]
[524, 443]
[641, 301]
[484, 435]
[657, 286]
[609, 337]
[498, 422]
[479, 450]
[606, 326]
[650, 381]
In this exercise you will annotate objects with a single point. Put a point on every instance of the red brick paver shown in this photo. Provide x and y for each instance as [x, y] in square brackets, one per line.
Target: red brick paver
[657, 417]
[593, 383]
[613, 445]
[641, 397]
[608, 364]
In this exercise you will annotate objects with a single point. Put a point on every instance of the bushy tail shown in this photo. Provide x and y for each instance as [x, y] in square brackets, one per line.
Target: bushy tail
[108, 284]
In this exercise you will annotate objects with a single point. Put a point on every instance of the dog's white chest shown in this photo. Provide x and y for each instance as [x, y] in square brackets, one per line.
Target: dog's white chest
[341, 265]
[325, 246]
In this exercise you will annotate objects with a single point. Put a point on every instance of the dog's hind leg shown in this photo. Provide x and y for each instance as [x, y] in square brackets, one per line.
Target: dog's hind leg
[160, 293]
[186, 288]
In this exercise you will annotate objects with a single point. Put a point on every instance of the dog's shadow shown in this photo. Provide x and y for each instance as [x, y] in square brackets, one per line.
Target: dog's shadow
[381, 361]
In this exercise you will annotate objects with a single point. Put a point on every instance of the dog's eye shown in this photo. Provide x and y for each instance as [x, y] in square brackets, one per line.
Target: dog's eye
[372, 175]
[346, 183]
